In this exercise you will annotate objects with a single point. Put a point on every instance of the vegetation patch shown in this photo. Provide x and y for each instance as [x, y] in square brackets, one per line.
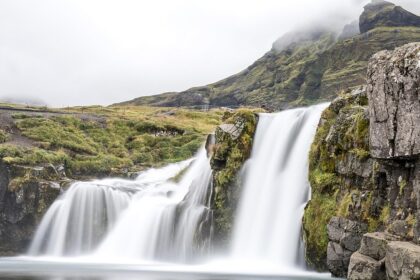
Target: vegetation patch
[100, 141]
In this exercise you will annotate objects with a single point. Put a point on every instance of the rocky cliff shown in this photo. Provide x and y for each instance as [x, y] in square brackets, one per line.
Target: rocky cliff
[304, 67]
[364, 173]
[25, 195]
[230, 149]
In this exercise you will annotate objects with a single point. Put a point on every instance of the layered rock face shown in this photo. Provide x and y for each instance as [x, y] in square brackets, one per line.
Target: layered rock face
[364, 170]
[393, 91]
[25, 195]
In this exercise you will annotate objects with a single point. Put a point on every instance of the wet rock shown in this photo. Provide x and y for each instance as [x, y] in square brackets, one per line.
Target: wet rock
[393, 91]
[402, 261]
[362, 267]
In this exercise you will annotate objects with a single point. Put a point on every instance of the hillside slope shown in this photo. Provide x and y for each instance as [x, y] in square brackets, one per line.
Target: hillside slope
[305, 71]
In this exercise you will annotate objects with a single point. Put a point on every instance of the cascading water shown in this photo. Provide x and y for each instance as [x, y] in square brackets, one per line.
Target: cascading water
[149, 218]
[163, 221]
[276, 188]
[153, 218]
[75, 222]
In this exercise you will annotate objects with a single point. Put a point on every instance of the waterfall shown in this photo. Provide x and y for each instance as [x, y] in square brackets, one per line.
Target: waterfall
[162, 221]
[276, 188]
[155, 218]
[149, 218]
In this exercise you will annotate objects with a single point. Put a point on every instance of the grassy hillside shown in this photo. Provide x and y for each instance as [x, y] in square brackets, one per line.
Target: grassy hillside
[304, 73]
[98, 141]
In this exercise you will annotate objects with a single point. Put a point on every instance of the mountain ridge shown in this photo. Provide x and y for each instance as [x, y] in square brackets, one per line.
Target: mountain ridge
[309, 68]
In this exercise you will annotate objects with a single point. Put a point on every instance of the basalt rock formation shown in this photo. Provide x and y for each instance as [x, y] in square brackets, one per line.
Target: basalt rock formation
[364, 172]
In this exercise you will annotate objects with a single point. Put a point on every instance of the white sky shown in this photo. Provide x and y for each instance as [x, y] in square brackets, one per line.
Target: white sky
[80, 52]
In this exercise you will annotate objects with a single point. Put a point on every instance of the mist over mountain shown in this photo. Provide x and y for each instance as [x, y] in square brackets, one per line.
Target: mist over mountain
[305, 66]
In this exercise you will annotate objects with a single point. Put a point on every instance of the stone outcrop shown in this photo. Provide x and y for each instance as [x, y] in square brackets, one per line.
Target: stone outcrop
[369, 261]
[345, 236]
[382, 13]
[365, 268]
[402, 261]
[25, 195]
[394, 98]
[229, 150]
[374, 245]
[354, 175]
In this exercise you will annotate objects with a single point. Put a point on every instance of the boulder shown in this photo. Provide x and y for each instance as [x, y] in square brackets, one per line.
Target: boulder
[393, 91]
[344, 236]
[362, 267]
[402, 261]
[374, 245]
[234, 130]
[346, 232]
[338, 259]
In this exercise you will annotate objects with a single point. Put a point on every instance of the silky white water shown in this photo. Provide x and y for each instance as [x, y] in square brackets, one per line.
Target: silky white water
[163, 221]
[149, 218]
[276, 188]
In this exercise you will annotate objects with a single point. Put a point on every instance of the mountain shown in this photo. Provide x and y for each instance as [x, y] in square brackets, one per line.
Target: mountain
[304, 67]
[383, 13]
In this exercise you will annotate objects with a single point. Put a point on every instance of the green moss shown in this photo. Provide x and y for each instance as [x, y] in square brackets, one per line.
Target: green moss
[384, 217]
[30, 156]
[4, 136]
[318, 212]
[343, 206]
[402, 184]
[322, 181]
[360, 153]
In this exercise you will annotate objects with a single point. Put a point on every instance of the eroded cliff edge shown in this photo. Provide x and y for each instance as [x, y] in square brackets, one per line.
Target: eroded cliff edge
[365, 175]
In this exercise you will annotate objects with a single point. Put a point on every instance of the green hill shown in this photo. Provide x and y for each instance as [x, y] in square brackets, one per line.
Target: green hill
[307, 70]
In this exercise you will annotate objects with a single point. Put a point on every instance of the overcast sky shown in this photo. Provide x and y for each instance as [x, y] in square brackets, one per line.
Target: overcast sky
[81, 52]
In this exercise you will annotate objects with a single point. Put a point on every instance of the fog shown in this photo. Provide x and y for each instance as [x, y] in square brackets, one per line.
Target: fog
[82, 52]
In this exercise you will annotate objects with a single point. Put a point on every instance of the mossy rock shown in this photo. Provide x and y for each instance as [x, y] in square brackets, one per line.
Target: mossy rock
[231, 150]
[347, 182]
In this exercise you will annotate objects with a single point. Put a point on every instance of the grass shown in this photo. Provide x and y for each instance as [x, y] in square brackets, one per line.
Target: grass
[99, 140]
